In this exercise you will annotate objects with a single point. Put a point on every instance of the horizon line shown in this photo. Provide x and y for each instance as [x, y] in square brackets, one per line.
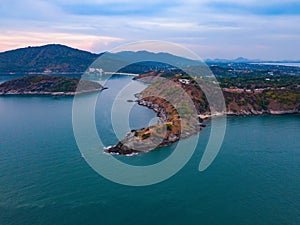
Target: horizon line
[226, 60]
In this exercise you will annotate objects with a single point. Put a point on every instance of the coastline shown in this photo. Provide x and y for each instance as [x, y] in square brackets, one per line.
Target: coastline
[127, 145]
[237, 104]
[48, 86]
[45, 93]
[122, 147]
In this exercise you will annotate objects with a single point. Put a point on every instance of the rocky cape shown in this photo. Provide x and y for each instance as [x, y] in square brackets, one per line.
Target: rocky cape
[48, 85]
[173, 127]
[132, 144]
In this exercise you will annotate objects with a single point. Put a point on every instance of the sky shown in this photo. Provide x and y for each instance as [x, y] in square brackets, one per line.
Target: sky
[254, 29]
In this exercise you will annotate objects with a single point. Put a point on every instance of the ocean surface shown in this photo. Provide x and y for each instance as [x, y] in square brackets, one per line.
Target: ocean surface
[280, 64]
[44, 179]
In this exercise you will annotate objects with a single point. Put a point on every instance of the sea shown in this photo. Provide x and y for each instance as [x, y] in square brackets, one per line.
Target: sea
[280, 64]
[45, 179]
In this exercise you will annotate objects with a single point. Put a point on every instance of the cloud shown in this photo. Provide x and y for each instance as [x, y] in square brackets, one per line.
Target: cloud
[17, 39]
[28, 9]
[235, 28]
[116, 8]
[256, 7]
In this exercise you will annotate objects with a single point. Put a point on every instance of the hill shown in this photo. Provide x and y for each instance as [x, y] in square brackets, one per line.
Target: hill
[47, 85]
[52, 58]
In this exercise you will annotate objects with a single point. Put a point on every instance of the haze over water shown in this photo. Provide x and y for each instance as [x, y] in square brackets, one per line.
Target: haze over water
[255, 178]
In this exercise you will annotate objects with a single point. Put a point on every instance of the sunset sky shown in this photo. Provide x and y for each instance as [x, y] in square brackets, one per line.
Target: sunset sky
[212, 28]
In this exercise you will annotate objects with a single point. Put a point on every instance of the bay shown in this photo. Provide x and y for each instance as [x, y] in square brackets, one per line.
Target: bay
[255, 178]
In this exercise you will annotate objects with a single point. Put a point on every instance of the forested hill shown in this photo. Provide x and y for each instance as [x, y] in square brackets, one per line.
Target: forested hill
[49, 58]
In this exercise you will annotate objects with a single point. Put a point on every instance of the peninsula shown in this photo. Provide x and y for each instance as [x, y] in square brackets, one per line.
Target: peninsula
[247, 96]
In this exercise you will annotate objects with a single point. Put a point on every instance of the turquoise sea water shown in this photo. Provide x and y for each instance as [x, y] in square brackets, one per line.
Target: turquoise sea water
[255, 179]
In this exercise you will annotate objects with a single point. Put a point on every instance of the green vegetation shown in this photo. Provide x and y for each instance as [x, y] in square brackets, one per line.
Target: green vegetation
[254, 95]
[254, 82]
[47, 85]
[48, 58]
[242, 94]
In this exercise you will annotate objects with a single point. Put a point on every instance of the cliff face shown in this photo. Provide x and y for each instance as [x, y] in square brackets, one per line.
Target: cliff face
[264, 102]
[47, 85]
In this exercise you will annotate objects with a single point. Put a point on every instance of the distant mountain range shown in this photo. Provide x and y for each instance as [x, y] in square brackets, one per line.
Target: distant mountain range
[237, 60]
[56, 58]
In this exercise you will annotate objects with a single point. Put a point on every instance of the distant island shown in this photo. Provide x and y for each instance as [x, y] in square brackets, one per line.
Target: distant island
[48, 85]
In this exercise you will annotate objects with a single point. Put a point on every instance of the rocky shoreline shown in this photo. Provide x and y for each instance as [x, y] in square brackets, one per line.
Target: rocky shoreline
[263, 112]
[128, 145]
[44, 93]
[132, 145]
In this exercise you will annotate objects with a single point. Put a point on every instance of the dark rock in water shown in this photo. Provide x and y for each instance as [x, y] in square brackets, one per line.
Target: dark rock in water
[121, 149]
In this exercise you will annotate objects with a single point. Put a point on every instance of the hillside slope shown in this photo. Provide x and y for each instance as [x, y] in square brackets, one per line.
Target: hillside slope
[48, 85]
[50, 58]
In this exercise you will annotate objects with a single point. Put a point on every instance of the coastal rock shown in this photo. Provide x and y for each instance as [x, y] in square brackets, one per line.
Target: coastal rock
[282, 112]
[159, 135]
